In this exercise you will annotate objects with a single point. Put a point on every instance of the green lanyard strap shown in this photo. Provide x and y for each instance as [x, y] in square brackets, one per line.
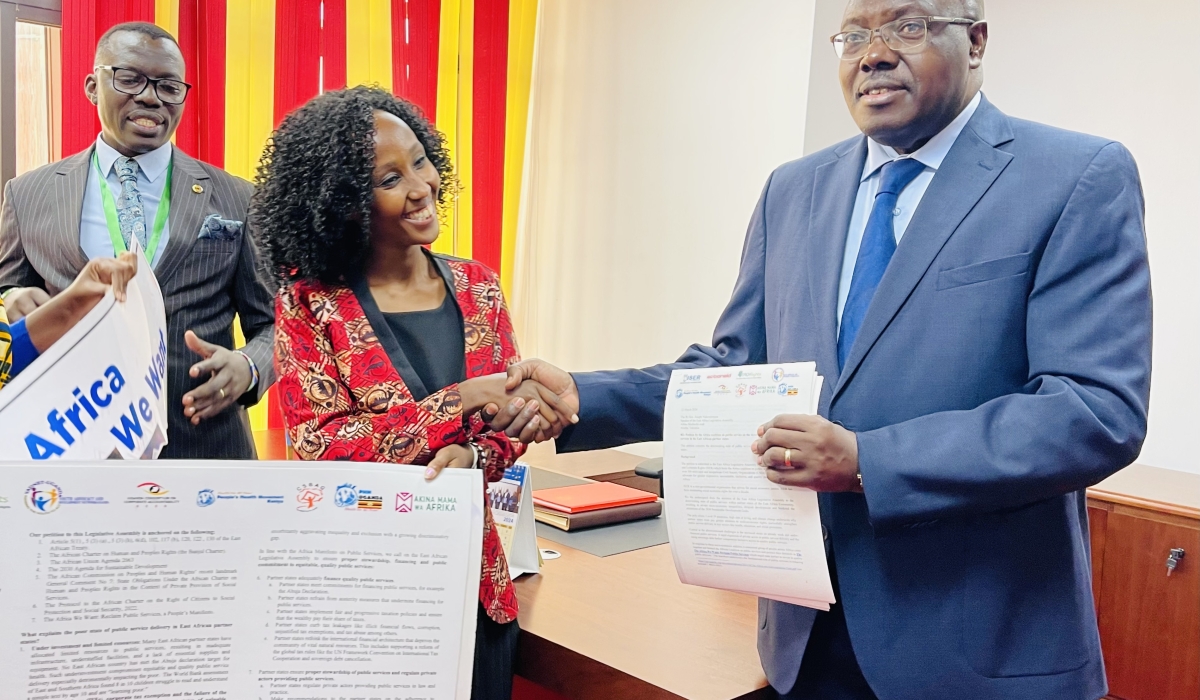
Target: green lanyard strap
[114, 225]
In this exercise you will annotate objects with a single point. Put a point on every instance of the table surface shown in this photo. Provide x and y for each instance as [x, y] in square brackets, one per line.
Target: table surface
[629, 613]
[1152, 487]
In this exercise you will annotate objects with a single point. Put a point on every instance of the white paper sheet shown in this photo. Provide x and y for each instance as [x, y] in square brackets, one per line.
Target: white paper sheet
[234, 581]
[730, 527]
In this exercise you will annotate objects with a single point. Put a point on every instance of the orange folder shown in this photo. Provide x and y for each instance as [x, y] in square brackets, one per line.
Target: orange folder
[585, 497]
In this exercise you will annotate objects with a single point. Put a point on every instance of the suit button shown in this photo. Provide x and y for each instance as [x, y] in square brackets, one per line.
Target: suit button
[824, 533]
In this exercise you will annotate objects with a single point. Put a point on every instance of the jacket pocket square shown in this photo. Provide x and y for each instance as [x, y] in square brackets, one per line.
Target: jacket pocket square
[218, 229]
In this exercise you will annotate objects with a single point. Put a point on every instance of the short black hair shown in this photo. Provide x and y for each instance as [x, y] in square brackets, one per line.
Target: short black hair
[311, 210]
[151, 30]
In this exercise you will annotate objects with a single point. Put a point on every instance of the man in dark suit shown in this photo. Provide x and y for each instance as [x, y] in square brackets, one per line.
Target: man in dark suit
[974, 289]
[189, 219]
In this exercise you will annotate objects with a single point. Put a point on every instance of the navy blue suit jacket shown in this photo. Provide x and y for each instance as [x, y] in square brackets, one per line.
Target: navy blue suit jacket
[1003, 366]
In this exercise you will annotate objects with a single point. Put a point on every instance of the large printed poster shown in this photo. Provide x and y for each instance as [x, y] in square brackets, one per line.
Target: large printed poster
[238, 581]
[101, 391]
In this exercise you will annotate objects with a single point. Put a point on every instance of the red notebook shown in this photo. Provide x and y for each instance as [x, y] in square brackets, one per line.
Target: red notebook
[585, 497]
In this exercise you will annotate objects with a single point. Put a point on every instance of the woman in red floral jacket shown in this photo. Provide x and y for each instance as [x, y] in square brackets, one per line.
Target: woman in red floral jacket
[386, 352]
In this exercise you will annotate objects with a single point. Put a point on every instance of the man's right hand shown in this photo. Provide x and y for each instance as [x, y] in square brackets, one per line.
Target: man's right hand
[21, 301]
[550, 377]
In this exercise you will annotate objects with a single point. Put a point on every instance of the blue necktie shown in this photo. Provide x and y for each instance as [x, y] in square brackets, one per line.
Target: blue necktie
[130, 214]
[878, 245]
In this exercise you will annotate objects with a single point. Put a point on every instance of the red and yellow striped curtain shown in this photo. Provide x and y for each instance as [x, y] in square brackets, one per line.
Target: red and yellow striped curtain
[466, 63]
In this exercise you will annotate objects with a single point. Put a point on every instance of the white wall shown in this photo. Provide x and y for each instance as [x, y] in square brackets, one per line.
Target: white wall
[654, 126]
[1094, 66]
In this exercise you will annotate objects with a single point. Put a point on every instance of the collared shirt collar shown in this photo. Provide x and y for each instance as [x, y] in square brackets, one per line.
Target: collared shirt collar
[932, 153]
[153, 164]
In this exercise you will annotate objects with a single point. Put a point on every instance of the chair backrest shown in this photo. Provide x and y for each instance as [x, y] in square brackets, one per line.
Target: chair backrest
[652, 469]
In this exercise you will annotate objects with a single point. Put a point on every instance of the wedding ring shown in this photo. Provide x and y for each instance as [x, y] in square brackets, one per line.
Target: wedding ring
[222, 392]
[787, 457]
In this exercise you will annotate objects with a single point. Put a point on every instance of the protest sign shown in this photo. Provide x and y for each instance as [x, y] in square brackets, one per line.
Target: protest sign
[100, 392]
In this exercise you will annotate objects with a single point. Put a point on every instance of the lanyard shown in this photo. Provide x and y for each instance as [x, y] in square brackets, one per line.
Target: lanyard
[114, 226]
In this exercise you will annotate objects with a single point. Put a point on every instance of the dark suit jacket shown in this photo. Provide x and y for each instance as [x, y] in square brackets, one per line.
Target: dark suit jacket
[1002, 367]
[204, 281]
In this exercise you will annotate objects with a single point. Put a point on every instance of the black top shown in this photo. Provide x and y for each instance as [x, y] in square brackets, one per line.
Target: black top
[433, 343]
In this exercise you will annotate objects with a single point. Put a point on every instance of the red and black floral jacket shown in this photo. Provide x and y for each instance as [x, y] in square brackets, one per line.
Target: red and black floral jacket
[344, 399]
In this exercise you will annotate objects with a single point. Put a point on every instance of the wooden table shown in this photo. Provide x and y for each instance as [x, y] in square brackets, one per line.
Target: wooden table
[624, 626]
[601, 465]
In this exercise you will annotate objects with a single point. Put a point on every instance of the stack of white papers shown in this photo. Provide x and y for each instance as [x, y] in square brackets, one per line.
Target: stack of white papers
[731, 527]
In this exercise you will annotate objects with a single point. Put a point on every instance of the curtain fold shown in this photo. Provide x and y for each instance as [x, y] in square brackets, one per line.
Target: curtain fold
[653, 126]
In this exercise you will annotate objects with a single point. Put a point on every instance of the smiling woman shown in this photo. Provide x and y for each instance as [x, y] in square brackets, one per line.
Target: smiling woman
[386, 352]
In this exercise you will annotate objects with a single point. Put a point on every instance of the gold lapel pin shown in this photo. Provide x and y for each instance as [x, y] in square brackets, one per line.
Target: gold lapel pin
[197, 189]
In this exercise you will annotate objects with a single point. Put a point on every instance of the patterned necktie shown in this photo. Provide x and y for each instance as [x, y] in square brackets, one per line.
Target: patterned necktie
[130, 214]
[878, 245]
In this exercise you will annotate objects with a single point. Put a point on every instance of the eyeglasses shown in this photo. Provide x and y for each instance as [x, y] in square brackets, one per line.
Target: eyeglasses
[906, 35]
[131, 82]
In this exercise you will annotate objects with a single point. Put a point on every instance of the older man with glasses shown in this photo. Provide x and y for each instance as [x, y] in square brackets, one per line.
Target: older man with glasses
[975, 290]
[188, 218]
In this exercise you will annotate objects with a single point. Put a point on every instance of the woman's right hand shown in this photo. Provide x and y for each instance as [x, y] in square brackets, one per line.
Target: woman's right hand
[520, 420]
[531, 413]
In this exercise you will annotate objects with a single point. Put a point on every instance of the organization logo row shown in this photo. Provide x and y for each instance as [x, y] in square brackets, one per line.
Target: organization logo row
[45, 497]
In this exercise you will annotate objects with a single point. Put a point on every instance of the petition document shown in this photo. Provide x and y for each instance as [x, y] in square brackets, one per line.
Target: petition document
[236, 582]
[730, 527]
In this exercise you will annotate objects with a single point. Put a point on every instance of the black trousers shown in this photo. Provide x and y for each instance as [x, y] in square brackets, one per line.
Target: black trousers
[829, 670]
[495, 654]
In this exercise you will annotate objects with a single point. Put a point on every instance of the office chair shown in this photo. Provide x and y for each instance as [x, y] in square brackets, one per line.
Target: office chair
[652, 469]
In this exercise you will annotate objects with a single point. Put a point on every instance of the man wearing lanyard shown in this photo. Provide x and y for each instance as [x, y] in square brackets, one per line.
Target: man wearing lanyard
[188, 218]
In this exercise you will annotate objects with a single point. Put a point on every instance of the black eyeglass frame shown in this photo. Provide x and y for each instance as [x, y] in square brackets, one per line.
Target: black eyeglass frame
[187, 87]
[902, 49]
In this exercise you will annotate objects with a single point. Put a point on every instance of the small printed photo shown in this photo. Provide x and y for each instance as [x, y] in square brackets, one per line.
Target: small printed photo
[505, 495]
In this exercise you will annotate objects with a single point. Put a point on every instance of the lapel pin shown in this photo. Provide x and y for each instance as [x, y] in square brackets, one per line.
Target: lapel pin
[197, 189]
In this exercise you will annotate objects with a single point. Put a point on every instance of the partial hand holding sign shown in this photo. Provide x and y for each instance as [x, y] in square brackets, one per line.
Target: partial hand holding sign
[47, 319]
[808, 451]
[22, 301]
[229, 377]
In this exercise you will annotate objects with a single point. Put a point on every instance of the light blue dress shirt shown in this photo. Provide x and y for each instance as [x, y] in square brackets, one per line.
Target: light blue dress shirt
[152, 177]
[931, 154]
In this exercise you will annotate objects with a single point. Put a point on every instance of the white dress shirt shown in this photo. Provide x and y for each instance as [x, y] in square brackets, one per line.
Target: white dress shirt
[931, 154]
[152, 177]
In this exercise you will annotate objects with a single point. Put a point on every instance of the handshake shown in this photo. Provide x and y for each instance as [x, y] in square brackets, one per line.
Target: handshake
[532, 403]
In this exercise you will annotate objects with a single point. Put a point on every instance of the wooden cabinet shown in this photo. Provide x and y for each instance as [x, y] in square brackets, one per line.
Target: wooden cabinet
[1149, 620]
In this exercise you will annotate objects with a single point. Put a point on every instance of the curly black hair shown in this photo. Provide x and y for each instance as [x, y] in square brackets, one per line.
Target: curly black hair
[311, 209]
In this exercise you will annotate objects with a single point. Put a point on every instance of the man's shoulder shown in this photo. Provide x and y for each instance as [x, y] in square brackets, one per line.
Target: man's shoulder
[1031, 135]
[36, 179]
[801, 169]
[221, 176]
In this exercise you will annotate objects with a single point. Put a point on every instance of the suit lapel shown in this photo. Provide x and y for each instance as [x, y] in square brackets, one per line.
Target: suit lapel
[187, 210]
[383, 330]
[68, 190]
[451, 278]
[968, 171]
[832, 206]
[391, 346]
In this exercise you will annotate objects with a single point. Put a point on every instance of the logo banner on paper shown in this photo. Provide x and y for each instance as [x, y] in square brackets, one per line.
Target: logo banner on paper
[100, 392]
